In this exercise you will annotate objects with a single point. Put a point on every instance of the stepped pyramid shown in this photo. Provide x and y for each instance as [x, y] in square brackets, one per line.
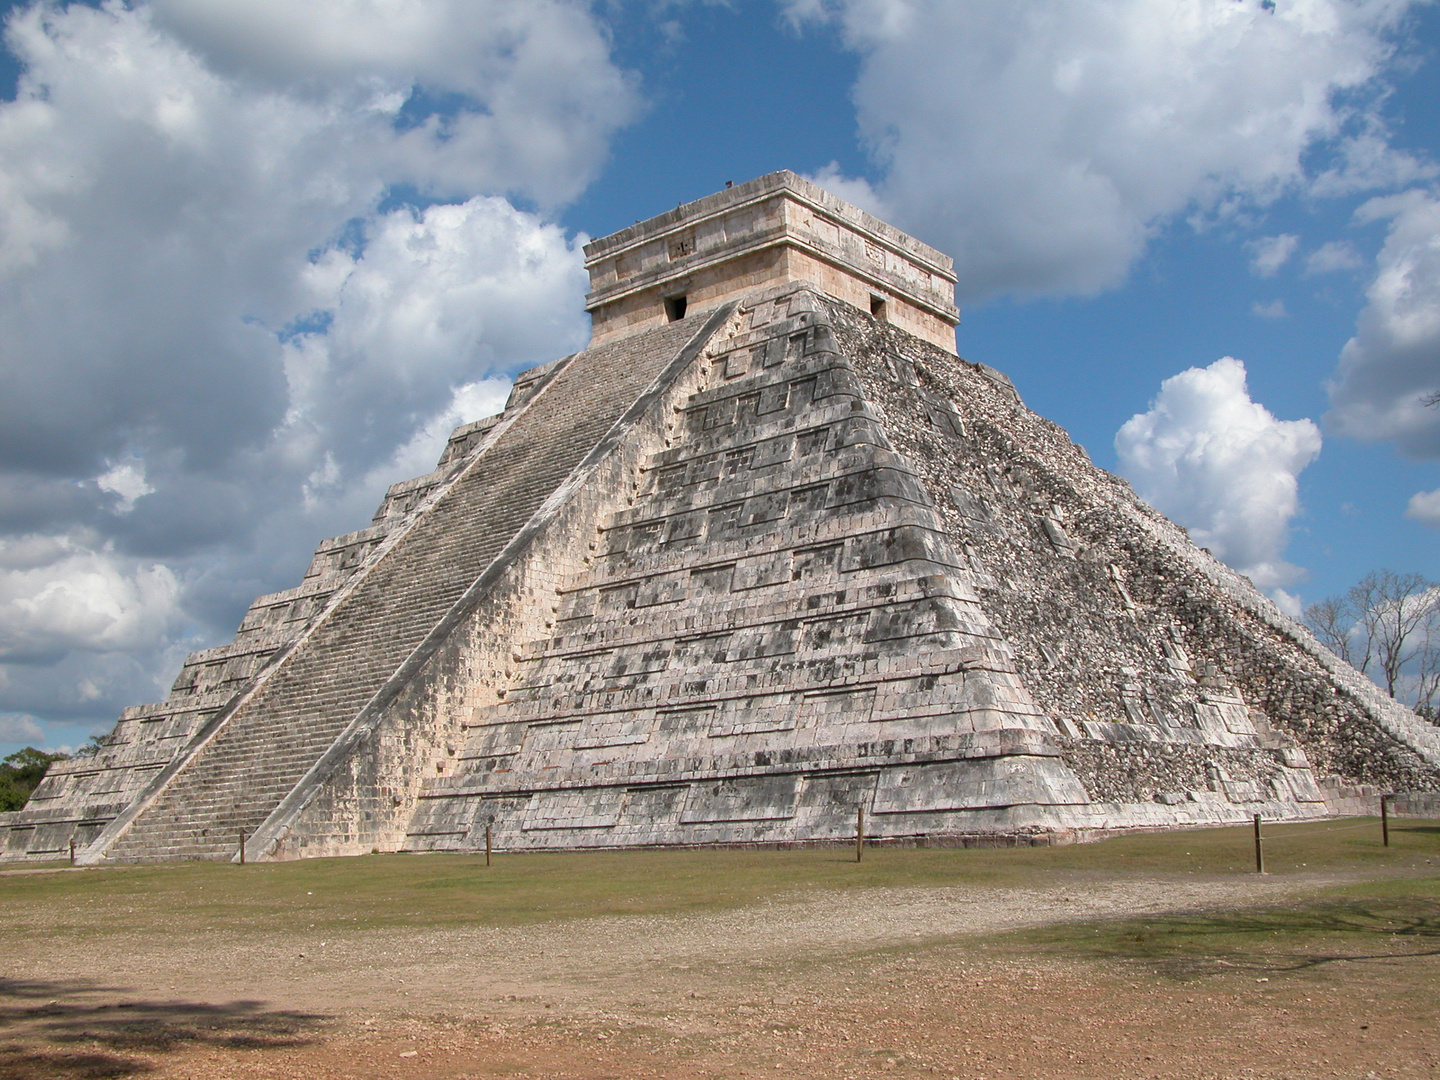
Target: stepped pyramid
[765, 552]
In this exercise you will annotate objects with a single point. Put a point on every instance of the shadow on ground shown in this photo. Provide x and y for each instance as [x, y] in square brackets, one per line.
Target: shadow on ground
[1265, 942]
[80, 1031]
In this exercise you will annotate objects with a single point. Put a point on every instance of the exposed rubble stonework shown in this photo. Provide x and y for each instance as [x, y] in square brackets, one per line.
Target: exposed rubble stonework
[749, 563]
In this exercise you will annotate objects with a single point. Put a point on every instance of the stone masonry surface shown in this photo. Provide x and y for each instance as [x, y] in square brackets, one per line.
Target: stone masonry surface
[861, 573]
[773, 229]
[283, 722]
[772, 631]
[264, 749]
[360, 793]
[730, 578]
[1172, 680]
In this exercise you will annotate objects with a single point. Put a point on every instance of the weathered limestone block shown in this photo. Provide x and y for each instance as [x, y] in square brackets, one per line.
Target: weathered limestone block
[393, 748]
[775, 229]
[743, 656]
[1127, 634]
[339, 557]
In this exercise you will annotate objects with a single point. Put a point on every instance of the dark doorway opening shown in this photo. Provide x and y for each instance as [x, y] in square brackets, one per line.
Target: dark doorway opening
[675, 308]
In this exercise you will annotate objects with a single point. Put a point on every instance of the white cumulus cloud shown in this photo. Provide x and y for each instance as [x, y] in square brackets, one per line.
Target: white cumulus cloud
[1331, 256]
[57, 595]
[126, 480]
[536, 95]
[436, 298]
[1220, 464]
[19, 728]
[252, 256]
[1269, 253]
[1391, 367]
[1041, 142]
[1424, 507]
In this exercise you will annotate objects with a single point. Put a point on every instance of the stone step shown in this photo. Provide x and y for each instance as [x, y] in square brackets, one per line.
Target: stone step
[276, 735]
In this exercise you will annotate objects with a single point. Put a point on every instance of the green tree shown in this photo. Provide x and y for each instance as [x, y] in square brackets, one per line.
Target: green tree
[93, 746]
[20, 773]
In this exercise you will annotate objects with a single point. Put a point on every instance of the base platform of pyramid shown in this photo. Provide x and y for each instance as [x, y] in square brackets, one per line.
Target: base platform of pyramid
[764, 557]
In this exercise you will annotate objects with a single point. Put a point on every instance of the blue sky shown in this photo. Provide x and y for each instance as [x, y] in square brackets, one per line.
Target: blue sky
[256, 259]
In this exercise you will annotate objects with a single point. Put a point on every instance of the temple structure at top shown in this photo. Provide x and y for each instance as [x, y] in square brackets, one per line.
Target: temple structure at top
[776, 229]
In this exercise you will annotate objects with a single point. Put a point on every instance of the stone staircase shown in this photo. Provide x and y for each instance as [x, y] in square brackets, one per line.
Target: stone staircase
[82, 796]
[298, 705]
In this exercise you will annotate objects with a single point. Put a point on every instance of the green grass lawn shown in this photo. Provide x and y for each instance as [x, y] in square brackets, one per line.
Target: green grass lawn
[432, 890]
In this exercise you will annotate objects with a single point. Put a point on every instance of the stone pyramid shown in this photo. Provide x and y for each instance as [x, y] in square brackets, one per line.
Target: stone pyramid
[765, 553]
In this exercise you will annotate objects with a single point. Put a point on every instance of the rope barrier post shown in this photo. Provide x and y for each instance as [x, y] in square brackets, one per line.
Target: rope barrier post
[72, 851]
[859, 832]
[242, 847]
[487, 845]
[1385, 820]
[1259, 848]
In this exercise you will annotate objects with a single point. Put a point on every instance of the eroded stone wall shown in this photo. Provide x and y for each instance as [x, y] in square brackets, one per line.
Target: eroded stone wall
[772, 635]
[1172, 680]
[362, 794]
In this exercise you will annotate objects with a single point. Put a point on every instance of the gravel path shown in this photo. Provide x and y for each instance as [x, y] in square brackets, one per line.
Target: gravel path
[594, 965]
[820, 985]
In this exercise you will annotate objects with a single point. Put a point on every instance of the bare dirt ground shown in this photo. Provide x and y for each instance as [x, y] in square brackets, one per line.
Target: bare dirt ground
[902, 982]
